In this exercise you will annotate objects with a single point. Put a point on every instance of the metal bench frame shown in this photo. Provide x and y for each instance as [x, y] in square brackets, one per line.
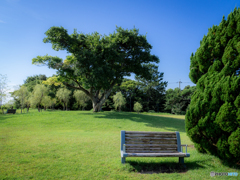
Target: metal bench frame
[179, 154]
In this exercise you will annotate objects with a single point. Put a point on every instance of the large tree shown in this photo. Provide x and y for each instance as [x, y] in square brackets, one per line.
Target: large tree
[31, 81]
[149, 85]
[97, 62]
[39, 92]
[22, 94]
[213, 118]
[130, 86]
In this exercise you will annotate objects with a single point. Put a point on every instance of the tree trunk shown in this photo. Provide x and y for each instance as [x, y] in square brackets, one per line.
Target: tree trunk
[66, 107]
[148, 104]
[96, 106]
[97, 103]
[130, 103]
[38, 108]
[22, 105]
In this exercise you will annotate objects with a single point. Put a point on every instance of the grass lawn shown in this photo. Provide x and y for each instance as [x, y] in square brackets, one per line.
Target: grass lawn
[86, 145]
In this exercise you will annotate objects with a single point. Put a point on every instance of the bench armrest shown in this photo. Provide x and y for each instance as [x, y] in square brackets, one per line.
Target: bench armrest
[185, 146]
[124, 148]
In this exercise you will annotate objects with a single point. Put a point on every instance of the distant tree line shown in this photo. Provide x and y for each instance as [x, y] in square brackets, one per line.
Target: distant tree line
[151, 96]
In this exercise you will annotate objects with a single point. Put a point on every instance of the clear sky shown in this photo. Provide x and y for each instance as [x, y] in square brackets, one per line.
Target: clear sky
[174, 28]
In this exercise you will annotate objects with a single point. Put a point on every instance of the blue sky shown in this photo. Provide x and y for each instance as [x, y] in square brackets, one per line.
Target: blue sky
[174, 28]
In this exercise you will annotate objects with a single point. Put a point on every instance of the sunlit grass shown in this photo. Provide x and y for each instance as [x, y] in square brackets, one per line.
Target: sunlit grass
[86, 145]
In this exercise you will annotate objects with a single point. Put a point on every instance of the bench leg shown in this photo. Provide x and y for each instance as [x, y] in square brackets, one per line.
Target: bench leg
[123, 160]
[181, 160]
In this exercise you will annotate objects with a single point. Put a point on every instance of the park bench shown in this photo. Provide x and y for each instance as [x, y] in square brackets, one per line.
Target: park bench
[151, 144]
[11, 111]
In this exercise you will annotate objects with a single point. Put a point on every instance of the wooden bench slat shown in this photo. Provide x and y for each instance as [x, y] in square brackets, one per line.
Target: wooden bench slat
[150, 138]
[142, 132]
[151, 142]
[157, 155]
[135, 150]
[151, 149]
[151, 145]
[151, 135]
[148, 151]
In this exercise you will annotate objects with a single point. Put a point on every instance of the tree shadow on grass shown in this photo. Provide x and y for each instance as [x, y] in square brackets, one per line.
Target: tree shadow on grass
[167, 123]
[154, 167]
[4, 117]
[231, 164]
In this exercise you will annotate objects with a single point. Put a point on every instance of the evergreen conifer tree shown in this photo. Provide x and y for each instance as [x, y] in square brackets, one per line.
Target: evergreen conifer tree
[213, 118]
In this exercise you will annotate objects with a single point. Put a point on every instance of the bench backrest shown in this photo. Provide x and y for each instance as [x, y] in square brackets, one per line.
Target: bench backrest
[11, 111]
[150, 142]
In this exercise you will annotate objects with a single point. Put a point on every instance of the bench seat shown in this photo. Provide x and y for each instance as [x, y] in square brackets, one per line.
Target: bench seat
[151, 144]
[156, 154]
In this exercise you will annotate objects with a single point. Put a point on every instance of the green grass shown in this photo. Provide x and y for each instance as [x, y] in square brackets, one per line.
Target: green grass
[86, 145]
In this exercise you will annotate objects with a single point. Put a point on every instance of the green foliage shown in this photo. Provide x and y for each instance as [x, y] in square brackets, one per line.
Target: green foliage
[38, 93]
[22, 94]
[53, 102]
[46, 102]
[113, 110]
[177, 101]
[119, 100]
[81, 98]
[153, 88]
[63, 94]
[137, 107]
[212, 120]
[31, 81]
[151, 111]
[97, 63]
[130, 87]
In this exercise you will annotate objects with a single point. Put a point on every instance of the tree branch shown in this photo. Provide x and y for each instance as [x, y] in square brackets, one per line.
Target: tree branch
[96, 94]
[80, 87]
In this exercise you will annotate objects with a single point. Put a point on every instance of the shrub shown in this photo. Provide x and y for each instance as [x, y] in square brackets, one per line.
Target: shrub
[151, 111]
[137, 107]
[213, 118]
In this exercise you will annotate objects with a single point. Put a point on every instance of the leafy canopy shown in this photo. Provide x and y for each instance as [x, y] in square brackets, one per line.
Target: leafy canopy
[96, 61]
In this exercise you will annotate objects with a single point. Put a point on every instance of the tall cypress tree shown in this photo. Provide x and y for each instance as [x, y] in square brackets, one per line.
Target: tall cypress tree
[213, 118]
